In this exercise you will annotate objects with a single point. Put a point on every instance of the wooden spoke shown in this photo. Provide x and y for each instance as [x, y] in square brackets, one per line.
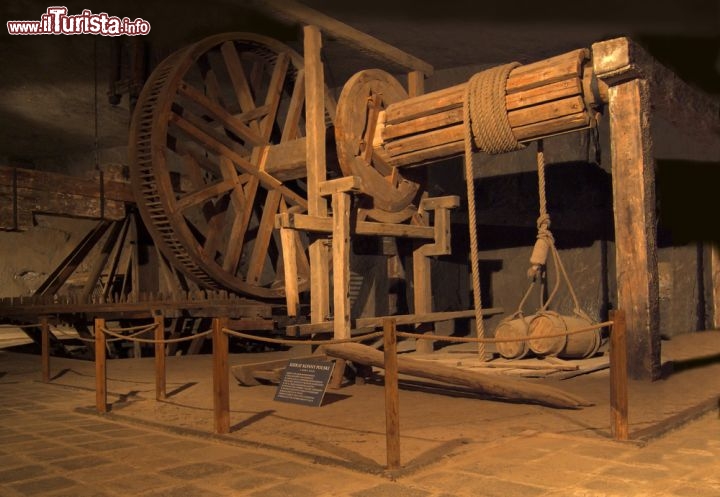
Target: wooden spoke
[273, 95]
[262, 240]
[237, 76]
[200, 196]
[252, 115]
[292, 121]
[239, 227]
[221, 115]
[217, 145]
[204, 135]
[201, 160]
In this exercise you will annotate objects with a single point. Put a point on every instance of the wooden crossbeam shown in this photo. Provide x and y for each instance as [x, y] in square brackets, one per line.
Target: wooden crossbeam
[293, 12]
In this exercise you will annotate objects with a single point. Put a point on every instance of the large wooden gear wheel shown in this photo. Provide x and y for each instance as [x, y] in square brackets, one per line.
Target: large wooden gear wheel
[199, 141]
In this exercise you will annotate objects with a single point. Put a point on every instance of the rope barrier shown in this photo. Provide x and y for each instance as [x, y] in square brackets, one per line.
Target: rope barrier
[124, 337]
[359, 338]
[131, 338]
[9, 326]
[144, 327]
[503, 340]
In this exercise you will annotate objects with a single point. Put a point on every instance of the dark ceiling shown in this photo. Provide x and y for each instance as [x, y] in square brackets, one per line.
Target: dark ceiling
[47, 103]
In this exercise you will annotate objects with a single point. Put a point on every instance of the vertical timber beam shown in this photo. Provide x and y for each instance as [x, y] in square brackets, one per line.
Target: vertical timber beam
[341, 275]
[341, 264]
[422, 282]
[100, 367]
[422, 295]
[290, 269]
[416, 83]
[392, 401]
[221, 377]
[633, 177]
[160, 368]
[316, 170]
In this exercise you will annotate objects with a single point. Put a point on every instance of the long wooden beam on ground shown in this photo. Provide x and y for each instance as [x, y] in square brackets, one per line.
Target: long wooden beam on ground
[482, 383]
[294, 12]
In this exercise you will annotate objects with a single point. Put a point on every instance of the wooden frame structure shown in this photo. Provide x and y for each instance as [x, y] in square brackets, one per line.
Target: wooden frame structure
[635, 81]
[632, 80]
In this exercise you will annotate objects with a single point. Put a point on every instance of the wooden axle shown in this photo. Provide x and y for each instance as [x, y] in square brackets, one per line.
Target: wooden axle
[380, 130]
[548, 97]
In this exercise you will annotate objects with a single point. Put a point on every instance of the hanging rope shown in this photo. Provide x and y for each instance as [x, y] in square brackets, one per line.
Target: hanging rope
[545, 244]
[486, 128]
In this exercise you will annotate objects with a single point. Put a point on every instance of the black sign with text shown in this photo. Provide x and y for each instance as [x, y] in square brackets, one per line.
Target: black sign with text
[304, 382]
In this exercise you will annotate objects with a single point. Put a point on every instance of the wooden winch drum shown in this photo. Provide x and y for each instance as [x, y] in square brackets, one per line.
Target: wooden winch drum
[577, 346]
[513, 328]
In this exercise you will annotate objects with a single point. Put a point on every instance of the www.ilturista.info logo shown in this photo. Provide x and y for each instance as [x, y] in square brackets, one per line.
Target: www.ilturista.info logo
[56, 21]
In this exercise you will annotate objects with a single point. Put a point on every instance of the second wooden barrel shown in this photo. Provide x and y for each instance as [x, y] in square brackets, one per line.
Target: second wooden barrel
[577, 346]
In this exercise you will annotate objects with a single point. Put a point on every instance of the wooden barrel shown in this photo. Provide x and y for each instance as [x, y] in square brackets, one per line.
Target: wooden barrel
[578, 346]
[513, 328]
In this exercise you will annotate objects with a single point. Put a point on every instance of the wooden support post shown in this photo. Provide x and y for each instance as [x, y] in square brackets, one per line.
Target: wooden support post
[160, 369]
[100, 367]
[422, 295]
[422, 281]
[618, 377]
[633, 177]
[290, 269]
[392, 402]
[316, 170]
[221, 377]
[45, 348]
[341, 202]
[416, 83]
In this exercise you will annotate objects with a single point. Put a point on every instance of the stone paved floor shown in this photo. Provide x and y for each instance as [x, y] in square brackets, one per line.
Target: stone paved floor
[51, 444]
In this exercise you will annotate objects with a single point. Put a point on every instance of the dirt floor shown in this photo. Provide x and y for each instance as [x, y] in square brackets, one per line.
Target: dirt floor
[348, 429]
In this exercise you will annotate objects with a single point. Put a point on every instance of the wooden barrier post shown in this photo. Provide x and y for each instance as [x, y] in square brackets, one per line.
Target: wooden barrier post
[45, 348]
[100, 367]
[221, 375]
[392, 402]
[160, 368]
[618, 377]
